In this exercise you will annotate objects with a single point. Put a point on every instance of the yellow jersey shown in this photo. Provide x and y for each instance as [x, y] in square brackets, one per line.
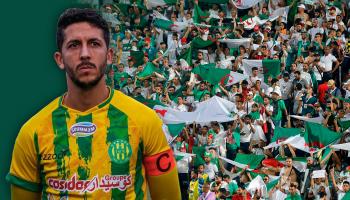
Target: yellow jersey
[102, 153]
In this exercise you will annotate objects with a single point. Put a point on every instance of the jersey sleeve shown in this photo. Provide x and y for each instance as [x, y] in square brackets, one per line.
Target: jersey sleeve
[24, 170]
[159, 161]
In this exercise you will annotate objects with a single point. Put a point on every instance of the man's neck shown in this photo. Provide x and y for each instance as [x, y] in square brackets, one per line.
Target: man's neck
[83, 100]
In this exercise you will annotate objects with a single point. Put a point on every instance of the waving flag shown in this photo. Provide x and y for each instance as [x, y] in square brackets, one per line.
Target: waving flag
[281, 134]
[155, 3]
[267, 67]
[232, 78]
[245, 4]
[147, 71]
[235, 43]
[199, 15]
[210, 73]
[317, 136]
[250, 160]
[169, 25]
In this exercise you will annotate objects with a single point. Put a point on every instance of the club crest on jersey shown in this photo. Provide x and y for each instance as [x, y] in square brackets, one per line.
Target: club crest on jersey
[119, 151]
[82, 129]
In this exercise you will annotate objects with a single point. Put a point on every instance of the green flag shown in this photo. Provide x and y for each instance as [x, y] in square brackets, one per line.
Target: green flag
[175, 129]
[209, 73]
[198, 14]
[343, 99]
[199, 151]
[281, 134]
[147, 71]
[253, 161]
[199, 43]
[271, 68]
[187, 56]
[344, 124]
[271, 184]
[137, 56]
[213, 1]
[317, 136]
[148, 102]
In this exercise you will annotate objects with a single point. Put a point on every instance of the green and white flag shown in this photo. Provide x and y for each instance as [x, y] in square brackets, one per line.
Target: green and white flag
[281, 134]
[210, 73]
[317, 136]
[249, 161]
[298, 162]
[148, 71]
[199, 15]
[235, 43]
[245, 4]
[232, 78]
[169, 25]
[155, 3]
[266, 67]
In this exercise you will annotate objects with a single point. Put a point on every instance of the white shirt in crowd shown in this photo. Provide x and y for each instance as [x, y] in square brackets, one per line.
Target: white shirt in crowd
[328, 61]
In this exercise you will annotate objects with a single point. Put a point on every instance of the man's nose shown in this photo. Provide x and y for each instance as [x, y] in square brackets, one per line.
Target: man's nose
[85, 52]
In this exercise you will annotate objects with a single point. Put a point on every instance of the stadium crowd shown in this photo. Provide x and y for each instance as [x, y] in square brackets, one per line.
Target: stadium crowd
[282, 66]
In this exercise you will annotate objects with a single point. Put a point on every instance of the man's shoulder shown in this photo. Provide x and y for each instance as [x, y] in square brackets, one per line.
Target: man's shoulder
[44, 114]
[132, 108]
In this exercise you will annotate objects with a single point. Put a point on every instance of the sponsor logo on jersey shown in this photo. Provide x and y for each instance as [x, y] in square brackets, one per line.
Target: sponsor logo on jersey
[83, 129]
[119, 151]
[106, 183]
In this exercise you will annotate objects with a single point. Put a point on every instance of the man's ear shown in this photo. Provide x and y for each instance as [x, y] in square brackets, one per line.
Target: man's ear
[109, 56]
[59, 60]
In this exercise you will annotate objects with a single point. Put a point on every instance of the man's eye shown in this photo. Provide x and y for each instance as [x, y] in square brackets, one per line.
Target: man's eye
[95, 44]
[73, 45]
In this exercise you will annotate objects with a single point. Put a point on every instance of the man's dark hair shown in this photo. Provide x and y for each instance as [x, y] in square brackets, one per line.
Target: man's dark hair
[76, 15]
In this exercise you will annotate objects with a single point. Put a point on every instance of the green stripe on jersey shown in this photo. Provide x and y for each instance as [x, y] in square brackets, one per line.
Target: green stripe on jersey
[118, 146]
[60, 141]
[138, 176]
[84, 143]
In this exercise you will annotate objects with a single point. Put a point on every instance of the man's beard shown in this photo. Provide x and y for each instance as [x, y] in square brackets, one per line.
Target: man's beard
[81, 84]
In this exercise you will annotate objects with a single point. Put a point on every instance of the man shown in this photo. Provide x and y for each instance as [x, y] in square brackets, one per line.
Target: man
[207, 194]
[328, 59]
[242, 194]
[91, 142]
[209, 167]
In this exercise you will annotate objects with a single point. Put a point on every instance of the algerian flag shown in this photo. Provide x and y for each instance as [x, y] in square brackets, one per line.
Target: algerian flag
[199, 151]
[148, 102]
[137, 56]
[213, 109]
[232, 78]
[317, 120]
[147, 71]
[266, 67]
[169, 25]
[344, 146]
[297, 141]
[186, 58]
[235, 43]
[281, 134]
[298, 162]
[245, 4]
[250, 22]
[175, 129]
[317, 136]
[283, 11]
[213, 1]
[171, 131]
[154, 3]
[199, 15]
[257, 184]
[344, 124]
[210, 73]
[199, 43]
[250, 160]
